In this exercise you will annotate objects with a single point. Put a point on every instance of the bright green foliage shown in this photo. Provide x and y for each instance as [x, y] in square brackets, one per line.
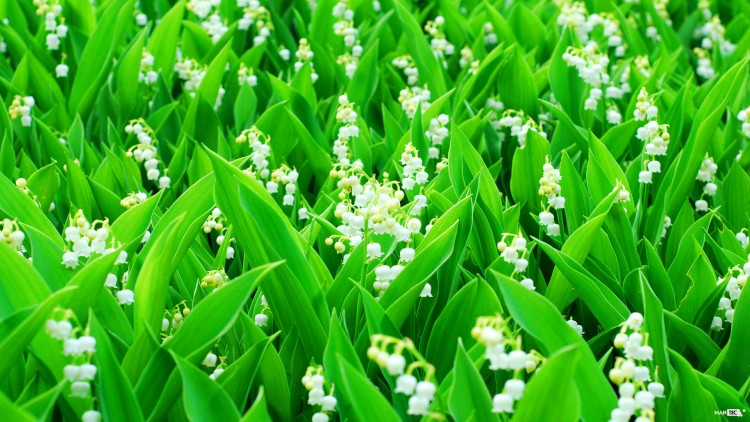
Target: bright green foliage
[277, 210]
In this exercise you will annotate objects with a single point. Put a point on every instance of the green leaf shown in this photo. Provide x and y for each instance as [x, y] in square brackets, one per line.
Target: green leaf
[470, 399]
[553, 387]
[203, 399]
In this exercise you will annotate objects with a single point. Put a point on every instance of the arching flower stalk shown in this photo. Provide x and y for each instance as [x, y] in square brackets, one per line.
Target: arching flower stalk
[388, 352]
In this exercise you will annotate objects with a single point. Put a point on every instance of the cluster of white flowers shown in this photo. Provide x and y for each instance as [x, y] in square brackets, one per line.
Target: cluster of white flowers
[414, 169]
[436, 133]
[490, 37]
[54, 24]
[133, 199]
[214, 279]
[504, 351]
[145, 151]
[655, 136]
[254, 14]
[705, 69]
[192, 73]
[520, 124]
[147, 75]
[261, 149]
[11, 235]
[632, 374]
[347, 116]
[284, 176]
[202, 8]
[744, 116]
[173, 319]
[21, 107]
[79, 346]
[189, 71]
[712, 33]
[441, 48]
[736, 278]
[576, 326]
[407, 65]
[706, 174]
[215, 222]
[549, 186]
[124, 296]
[411, 98]
[421, 393]
[210, 362]
[660, 6]
[467, 59]
[495, 106]
[246, 76]
[515, 253]
[314, 382]
[374, 208]
[622, 193]
[261, 319]
[305, 55]
[575, 16]
[592, 68]
[743, 239]
[215, 27]
[85, 239]
[344, 28]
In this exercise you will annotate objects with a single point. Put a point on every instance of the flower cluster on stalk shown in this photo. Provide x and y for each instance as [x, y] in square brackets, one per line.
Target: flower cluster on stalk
[79, 347]
[346, 117]
[520, 124]
[344, 28]
[436, 133]
[11, 235]
[314, 382]
[147, 75]
[712, 39]
[654, 135]
[744, 117]
[173, 319]
[388, 353]
[305, 56]
[254, 14]
[407, 65]
[736, 278]
[145, 152]
[632, 373]
[210, 361]
[706, 174]
[504, 351]
[246, 75]
[411, 98]
[467, 60]
[512, 247]
[54, 23]
[368, 207]
[21, 108]
[549, 186]
[215, 222]
[441, 48]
